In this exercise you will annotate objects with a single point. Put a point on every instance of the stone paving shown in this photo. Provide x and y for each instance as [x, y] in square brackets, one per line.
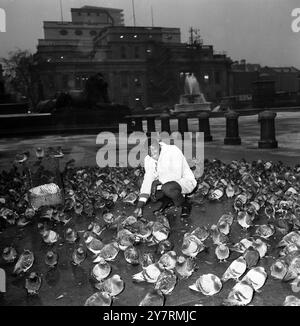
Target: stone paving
[73, 283]
[83, 148]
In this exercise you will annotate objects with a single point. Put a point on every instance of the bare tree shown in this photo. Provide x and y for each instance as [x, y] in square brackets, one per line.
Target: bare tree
[21, 67]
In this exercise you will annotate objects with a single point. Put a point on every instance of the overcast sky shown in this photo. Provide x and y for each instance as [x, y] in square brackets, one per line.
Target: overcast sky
[256, 30]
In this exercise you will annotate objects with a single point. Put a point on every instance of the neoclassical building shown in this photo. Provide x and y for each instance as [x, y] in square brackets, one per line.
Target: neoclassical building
[141, 64]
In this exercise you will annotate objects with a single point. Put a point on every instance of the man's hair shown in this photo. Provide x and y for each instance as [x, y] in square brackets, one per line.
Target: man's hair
[150, 141]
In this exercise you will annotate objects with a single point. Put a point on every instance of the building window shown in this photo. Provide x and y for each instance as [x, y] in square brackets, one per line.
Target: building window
[123, 52]
[65, 81]
[78, 32]
[79, 14]
[136, 52]
[124, 79]
[93, 33]
[80, 80]
[51, 81]
[63, 32]
[88, 13]
[137, 81]
[206, 78]
[217, 77]
[125, 101]
[218, 94]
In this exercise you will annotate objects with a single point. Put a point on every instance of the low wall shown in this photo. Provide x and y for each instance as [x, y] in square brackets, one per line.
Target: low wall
[60, 122]
[13, 108]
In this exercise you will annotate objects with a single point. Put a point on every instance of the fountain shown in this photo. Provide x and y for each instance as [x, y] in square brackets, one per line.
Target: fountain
[192, 99]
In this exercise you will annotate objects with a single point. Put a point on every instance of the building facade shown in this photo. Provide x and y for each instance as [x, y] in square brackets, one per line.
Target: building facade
[142, 65]
[245, 75]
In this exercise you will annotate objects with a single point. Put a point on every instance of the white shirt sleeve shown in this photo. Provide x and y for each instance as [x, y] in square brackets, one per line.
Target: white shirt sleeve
[149, 177]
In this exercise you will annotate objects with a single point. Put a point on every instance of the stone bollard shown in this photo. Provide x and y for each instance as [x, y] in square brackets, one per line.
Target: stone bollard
[204, 125]
[138, 125]
[150, 124]
[232, 129]
[165, 122]
[267, 130]
[182, 123]
[130, 126]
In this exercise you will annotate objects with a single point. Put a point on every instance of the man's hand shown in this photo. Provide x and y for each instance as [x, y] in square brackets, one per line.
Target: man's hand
[138, 212]
[154, 189]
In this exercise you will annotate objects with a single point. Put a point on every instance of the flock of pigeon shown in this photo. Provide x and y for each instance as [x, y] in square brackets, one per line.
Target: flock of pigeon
[256, 189]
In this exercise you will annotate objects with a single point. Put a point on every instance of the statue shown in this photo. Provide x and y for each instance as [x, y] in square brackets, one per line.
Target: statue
[96, 90]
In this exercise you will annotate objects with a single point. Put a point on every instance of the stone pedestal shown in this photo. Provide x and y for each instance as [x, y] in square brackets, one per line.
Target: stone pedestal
[150, 124]
[204, 125]
[190, 107]
[130, 125]
[138, 125]
[267, 130]
[192, 102]
[182, 123]
[165, 122]
[232, 129]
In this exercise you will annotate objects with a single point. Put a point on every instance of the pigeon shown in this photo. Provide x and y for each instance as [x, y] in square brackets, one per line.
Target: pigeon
[131, 255]
[9, 254]
[113, 285]
[185, 266]
[51, 259]
[244, 220]
[279, 269]
[256, 277]
[24, 262]
[78, 256]
[167, 261]
[235, 269]
[217, 236]
[153, 298]
[240, 295]
[251, 257]
[109, 252]
[166, 282]
[295, 284]
[33, 283]
[149, 274]
[101, 270]
[99, 299]
[191, 245]
[222, 252]
[208, 284]
[291, 300]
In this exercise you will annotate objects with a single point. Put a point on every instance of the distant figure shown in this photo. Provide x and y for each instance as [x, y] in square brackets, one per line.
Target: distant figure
[41, 96]
[96, 90]
[2, 89]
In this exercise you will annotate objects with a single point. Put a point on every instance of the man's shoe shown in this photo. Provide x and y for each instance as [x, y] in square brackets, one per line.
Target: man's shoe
[165, 204]
[185, 211]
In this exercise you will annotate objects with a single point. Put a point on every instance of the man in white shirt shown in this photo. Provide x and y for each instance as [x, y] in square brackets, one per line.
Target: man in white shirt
[167, 177]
